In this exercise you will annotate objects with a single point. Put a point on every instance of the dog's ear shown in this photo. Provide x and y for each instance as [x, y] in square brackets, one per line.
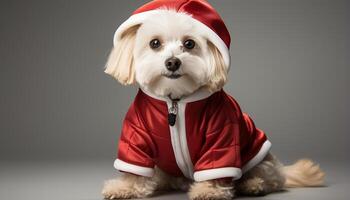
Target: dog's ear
[120, 63]
[218, 74]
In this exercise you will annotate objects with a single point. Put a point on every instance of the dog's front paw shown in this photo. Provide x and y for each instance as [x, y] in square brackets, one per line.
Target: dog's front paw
[252, 187]
[208, 190]
[113, 189]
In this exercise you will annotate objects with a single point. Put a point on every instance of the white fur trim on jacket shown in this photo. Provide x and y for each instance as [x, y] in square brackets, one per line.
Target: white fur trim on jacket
[209, 33]
[236, 173]
[210, 174]
[264, 150]
[134, 169]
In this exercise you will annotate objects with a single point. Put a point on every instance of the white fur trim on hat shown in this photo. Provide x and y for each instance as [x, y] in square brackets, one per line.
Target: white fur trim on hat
[209, 33]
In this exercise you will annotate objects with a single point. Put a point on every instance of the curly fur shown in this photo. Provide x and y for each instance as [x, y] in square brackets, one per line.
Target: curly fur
[303, 173]
[267, 177]
[211, 190]
[132, 186]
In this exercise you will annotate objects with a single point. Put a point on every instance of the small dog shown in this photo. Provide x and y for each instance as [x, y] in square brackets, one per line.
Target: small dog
[176, 64]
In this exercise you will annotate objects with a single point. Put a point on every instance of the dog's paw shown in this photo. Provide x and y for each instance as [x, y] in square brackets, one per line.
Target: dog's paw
[112, 190]
[252, 187]
[207, 190]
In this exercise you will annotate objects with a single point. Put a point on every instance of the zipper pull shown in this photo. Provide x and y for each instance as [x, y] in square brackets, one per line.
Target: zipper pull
[172, 113]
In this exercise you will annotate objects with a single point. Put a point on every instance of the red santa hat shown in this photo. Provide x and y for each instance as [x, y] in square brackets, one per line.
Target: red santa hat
[201, 13]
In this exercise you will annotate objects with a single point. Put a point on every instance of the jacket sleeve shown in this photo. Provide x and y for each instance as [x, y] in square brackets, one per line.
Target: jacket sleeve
[135, 147]
[220, 155]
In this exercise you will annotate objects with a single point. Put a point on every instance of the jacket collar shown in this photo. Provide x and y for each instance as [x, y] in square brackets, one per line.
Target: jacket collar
[200, 94]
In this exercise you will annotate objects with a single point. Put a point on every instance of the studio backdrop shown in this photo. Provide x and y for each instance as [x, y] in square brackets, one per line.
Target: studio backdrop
[290, 72]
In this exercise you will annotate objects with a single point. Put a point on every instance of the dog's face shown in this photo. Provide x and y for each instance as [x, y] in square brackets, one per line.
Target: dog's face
[167, 55]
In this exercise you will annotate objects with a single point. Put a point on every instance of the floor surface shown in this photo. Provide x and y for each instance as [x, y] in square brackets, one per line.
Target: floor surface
[83, 181]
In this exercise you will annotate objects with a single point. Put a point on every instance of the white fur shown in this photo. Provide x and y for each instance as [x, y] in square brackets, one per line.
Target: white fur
[132, 56]
[132, 60]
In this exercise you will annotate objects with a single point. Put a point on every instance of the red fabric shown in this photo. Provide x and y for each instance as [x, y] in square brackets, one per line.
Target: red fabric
[200, 10]
[218, 134]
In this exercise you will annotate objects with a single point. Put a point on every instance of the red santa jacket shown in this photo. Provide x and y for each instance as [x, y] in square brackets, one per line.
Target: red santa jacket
[211, 137]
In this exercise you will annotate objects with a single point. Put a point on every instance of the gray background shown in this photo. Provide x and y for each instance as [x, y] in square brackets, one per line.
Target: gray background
[60, 115]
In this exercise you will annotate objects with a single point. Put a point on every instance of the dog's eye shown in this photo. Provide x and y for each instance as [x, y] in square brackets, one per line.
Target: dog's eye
[154, 44]
[189, 44]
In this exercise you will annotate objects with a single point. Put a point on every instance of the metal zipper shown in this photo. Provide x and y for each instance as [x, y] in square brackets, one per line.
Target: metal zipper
[178, 137]
[173, 112]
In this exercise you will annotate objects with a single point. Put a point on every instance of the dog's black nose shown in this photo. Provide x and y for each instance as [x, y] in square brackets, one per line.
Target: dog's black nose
[173, 64]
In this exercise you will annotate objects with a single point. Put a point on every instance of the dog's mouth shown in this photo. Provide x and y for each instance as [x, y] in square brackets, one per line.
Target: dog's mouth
[172, 76]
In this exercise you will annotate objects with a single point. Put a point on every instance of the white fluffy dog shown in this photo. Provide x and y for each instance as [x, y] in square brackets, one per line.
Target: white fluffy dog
[171, 58]
[201, 65]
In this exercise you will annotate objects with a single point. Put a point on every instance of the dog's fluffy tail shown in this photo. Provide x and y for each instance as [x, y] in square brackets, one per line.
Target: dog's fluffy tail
[303, 173]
